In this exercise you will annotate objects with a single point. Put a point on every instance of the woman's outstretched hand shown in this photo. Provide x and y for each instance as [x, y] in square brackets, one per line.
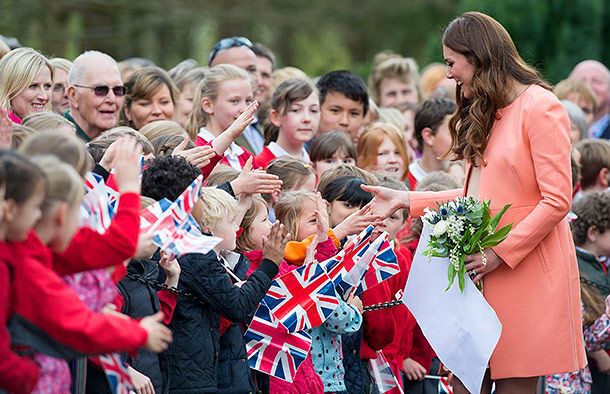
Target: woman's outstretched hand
[386, 201]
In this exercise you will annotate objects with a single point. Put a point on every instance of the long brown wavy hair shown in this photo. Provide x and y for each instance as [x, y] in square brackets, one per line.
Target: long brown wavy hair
[488, 47]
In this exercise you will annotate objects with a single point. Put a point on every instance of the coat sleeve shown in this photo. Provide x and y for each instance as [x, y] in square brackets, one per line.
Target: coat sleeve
[547, 130]
[91, 250]
[17, 374]
[420, 200]
[208, 280]
[345, 319]
[49, 309]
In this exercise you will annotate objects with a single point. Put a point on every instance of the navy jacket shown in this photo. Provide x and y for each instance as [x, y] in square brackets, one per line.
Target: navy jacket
[194, 354]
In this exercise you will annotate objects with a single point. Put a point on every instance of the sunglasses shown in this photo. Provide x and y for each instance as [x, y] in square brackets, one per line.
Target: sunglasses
[103, 90]
[227, 43]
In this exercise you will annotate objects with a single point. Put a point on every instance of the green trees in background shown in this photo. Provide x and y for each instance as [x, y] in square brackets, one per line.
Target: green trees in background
[316, 35]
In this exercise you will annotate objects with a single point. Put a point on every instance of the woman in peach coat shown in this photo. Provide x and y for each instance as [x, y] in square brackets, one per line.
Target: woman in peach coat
[514, 135]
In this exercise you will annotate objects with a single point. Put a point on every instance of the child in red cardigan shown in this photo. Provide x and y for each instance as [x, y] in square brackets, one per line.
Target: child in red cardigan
[39, 298]
[295, 117]
[224, 106]
[17, 374]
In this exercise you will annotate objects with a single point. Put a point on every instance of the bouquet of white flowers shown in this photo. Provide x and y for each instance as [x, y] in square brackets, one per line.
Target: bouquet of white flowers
[459, 228]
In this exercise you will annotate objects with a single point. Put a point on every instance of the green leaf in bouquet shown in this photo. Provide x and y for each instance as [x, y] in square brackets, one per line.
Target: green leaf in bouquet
[461, 276]
[497, 237]
[472, 245]
[496, 219]
[450, 276]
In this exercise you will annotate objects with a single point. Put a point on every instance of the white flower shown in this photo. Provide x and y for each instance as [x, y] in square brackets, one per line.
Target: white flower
[440, 228]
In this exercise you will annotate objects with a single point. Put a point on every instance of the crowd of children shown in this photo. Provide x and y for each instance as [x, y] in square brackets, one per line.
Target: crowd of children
[69, 293]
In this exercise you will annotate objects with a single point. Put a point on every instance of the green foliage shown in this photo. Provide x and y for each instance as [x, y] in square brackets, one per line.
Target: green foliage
[315, 35]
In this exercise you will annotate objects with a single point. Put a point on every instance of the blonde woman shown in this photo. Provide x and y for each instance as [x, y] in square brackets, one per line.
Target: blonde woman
[26, 78]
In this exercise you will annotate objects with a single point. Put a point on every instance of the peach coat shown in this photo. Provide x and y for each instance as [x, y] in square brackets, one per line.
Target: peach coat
[536, 294]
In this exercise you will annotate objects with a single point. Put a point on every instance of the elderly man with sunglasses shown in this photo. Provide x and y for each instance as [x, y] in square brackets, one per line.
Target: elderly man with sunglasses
[239, 52]
[96, 93]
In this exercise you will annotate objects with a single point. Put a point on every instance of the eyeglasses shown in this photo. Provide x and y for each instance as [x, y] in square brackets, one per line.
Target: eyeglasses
[59, 88]
[227, 43]
[103, 90]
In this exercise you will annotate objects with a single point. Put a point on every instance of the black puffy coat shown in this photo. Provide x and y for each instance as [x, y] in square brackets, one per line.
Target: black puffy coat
[193, 355]
[234, 375]
[141, 300]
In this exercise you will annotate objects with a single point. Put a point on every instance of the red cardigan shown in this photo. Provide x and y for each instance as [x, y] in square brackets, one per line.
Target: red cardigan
[379, 326]
[264, 158]
[17, 374]
[91, 250]
[45, 301]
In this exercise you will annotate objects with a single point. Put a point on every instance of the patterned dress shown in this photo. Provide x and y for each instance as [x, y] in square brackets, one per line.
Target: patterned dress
[580, 381]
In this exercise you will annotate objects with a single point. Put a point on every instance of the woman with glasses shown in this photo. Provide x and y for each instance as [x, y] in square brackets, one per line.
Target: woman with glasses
[26, 78]
[151, 95]
[59, 98]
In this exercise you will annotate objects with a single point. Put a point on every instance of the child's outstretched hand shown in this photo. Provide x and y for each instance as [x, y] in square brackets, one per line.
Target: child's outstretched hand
[141, 383]
[243, 120]
[172, 269]
[275, 244]
[198, 156]
[321, 218]
[608, 306]
[356, 302]
[6, 130]
[159, 336]
[413, 370]
[252, 181]
[311, 250]
[357, 221]
[146, 247]
[127, 165]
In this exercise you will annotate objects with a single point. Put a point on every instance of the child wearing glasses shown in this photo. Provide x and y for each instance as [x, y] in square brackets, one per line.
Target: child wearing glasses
[223, 96]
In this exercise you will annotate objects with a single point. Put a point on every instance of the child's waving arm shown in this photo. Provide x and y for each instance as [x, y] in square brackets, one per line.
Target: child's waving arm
[224, 140]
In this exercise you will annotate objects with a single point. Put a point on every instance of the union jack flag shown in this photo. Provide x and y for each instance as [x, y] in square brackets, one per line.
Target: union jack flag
[382, 373]
[97, 210]
[153, 213]
[272, 349]
[116, 373]
[444, 386]
[185, 239]
[338, 266]
[302, 298]
[383, 266]
[162, 214]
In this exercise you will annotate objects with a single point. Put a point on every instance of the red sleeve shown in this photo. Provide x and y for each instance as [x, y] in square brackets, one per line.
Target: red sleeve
[378, 325]
[17, 374]
[421, 351]
[211, 165]
[44, 300]
[90, 250]
[167, 300]
[264, 158]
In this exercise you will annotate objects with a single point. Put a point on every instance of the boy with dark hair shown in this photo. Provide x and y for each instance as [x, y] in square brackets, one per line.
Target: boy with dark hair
[344, 102]
[433, 138]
